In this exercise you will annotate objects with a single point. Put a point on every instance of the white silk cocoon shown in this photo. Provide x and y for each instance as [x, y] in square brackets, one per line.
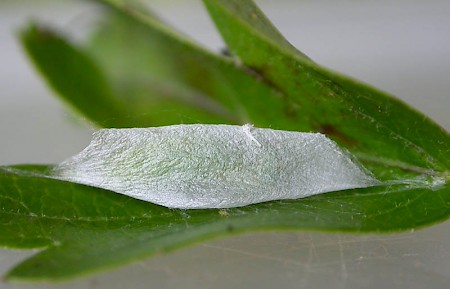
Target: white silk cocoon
[213, 166]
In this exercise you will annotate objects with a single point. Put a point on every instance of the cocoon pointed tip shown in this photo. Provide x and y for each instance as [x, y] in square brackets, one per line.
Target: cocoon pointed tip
[213, 166]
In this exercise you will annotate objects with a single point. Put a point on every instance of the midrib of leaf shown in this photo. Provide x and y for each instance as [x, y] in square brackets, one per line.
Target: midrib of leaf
[391, 163]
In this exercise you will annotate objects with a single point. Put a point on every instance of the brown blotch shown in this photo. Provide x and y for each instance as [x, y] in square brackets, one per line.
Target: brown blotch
[332, 132]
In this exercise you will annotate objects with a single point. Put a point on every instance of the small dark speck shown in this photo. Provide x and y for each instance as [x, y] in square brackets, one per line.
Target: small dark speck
[226, 52]
[230, 228]
[42, 33]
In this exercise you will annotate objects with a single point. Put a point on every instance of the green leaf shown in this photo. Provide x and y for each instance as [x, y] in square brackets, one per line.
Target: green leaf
[253, 17]
[84, 229]
[164, 78]
[375, 126]
[71, 73]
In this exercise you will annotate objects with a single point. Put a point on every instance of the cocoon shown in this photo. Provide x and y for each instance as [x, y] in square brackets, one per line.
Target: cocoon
[213, 166]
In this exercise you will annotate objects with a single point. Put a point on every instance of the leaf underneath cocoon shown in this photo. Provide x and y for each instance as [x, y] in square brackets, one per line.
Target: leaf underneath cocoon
[213, 166]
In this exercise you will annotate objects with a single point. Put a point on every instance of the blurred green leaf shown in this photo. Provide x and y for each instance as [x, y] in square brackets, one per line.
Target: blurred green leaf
[72, 74]
[156, 76]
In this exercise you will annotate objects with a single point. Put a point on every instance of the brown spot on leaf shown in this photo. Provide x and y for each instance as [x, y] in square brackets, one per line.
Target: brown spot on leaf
[332, 132]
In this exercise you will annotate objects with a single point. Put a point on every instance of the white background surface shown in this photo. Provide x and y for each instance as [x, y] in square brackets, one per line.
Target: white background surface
[400, 47]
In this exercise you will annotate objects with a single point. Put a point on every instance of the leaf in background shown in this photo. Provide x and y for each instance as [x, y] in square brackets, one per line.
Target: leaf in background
[156, 76]
[84, 229]
[72, 74]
